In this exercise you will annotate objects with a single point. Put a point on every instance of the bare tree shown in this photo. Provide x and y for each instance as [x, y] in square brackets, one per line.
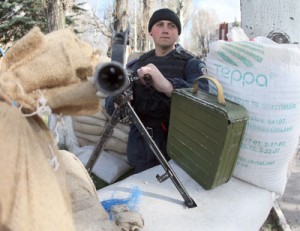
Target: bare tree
[96, 26]
[137, 13]
[203, 24]
[120, 16]
[113, 17]
[102, 24]
[143, 35]
[181, 8]
[134, 19]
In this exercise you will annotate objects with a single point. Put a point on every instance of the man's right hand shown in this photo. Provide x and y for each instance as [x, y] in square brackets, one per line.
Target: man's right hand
[158, 81]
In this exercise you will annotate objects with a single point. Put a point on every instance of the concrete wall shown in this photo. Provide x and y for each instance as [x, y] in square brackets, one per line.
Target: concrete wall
[279, 19]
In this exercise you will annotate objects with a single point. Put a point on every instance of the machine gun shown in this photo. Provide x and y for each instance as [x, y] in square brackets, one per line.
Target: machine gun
[113, 79]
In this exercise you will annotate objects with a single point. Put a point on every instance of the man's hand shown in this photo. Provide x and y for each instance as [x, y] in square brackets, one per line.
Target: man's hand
[158, 81]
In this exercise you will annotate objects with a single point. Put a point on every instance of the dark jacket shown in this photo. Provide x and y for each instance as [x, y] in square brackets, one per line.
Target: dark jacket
[153, 108]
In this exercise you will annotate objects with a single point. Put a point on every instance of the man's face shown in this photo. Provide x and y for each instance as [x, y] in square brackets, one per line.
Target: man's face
[164, 33]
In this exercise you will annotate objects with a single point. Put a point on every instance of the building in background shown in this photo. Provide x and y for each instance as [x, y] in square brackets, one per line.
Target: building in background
[222, 31]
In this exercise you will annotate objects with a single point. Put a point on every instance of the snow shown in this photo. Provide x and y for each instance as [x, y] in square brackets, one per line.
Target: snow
[235, 205]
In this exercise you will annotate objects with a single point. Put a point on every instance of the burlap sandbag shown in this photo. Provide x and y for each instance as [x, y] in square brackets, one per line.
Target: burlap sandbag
[47, 189]
[34, 196]
[51, 67]
[75, 99]
[87, 213]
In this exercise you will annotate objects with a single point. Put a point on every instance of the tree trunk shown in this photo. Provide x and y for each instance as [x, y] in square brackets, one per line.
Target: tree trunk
[276, 19]
[146, 6]
[120, 17]
[55, 15]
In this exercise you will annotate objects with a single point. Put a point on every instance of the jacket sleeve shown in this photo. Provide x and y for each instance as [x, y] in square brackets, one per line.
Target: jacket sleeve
[193, 69]
[149, 102]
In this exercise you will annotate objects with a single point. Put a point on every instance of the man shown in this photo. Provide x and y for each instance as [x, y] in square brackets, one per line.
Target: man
[170, 67]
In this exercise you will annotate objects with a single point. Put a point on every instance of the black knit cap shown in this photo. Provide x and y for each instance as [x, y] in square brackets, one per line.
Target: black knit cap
[164, 14]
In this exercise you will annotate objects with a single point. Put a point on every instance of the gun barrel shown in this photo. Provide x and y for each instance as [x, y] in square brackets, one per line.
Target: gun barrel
[111, 78]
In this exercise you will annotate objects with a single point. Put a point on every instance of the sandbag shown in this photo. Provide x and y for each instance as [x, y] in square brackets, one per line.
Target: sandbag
[87, 213]
[263, 77]
[99, 114]
[83, 142]
[109, 166]
[89, 120]
[122, 126]
[28, 201]
[75, 99]
[42, 192]
[86, 128]
[64, 198]
[50, 73]
[91, 128]
[113, 143]
[119, 134]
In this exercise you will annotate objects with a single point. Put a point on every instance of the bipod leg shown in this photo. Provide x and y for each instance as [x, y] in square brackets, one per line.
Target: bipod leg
[108, 131]
[164, 163]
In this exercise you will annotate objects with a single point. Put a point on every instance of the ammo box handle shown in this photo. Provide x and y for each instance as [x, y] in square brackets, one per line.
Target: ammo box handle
[220, 93]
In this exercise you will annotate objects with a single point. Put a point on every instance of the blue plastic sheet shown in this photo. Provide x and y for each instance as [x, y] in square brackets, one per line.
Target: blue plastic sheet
[131, 201]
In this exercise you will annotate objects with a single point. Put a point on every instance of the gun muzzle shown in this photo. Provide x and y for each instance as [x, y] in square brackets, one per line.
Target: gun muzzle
[111, 78]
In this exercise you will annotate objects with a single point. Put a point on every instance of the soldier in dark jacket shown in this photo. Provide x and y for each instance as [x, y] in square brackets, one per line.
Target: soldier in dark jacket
[170, 67]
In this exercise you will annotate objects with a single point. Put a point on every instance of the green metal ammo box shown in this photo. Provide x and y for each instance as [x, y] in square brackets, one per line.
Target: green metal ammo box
[205, 133]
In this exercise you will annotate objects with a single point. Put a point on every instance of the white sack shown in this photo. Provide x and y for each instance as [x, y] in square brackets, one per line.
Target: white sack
[91, 129]
[113, 143]
[109, 166]
[90, 120]
[265, 79]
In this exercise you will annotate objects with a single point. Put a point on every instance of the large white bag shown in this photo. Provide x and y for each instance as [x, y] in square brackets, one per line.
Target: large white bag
[264, 77]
